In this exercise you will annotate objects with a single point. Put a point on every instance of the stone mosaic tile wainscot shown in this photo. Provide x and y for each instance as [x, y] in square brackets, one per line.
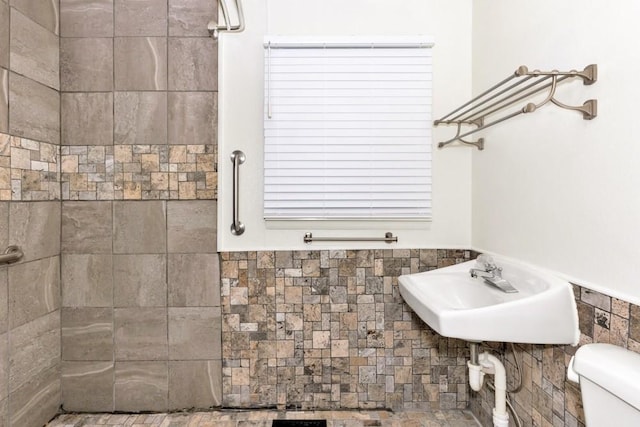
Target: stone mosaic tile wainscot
[547, 398]
[329, 329]
[139, 172]
[28, 169]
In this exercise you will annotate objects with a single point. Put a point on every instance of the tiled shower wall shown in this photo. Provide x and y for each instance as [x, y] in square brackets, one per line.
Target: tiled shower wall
[140, 305]
[140, 283]
[547, 398]
[139, 100]
[328, 329]
[30, 391]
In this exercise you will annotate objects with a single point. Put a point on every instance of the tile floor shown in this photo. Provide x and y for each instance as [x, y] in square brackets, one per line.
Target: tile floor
[231, 418]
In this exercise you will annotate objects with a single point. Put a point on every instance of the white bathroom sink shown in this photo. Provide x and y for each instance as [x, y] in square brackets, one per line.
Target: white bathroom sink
[455, 305]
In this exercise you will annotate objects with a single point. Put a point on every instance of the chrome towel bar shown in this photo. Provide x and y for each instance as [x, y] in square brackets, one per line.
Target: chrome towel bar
[237, 158]
[388, 238]
[12, 254]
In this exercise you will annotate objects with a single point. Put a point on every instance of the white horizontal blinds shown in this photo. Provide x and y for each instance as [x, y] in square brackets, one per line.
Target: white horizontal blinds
[349, 132]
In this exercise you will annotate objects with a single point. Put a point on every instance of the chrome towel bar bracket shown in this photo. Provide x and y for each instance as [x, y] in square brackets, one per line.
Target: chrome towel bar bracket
[12, 254]
[388, 238]
[237, 158]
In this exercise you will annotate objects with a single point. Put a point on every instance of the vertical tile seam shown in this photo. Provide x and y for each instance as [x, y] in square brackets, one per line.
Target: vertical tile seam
[166, 205]
[113, 214]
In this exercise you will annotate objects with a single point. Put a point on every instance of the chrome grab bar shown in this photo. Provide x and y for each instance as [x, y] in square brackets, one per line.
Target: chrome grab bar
[237, 158]
[388, 238]
[12, 254]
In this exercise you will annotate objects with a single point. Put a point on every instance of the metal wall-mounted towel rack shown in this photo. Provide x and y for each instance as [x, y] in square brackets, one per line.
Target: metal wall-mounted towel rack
[388, 238]
[215, 29]
[507, 93]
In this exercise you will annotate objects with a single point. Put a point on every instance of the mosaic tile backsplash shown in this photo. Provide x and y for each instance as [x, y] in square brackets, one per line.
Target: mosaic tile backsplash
[32, 170]
[139, 172]
[29, 169]
[329, 329]
[547, 398]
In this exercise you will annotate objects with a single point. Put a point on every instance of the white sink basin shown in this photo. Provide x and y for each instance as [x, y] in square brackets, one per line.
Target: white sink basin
[543, 311]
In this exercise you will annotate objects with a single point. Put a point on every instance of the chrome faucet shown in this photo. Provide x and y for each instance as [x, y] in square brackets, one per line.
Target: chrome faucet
[492, 274]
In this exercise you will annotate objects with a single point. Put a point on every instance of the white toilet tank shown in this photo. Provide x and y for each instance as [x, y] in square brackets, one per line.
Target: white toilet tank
[609, 378]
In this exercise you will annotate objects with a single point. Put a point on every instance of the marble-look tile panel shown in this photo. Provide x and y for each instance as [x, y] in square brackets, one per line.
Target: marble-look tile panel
[4, 100]
[87, 227]
[193, 63]
[194, 333]
[35, 110]
[191, 18]
[4, 35]
[35, 51]
[140, 18]
[38, 401]
[86, 18]
[195, 383]
[141, 386]
[87, 386]
[140, 280]
[191, 226]
[45, 13]
[4, 366]
[33, 348]
[4, 411]
[87, 334]
[34, 290]
[140, 63]
[86, 64]
[87, 280]
[140, 118]
[194, 280]
[139, 227]
[193, 118]
[4, 225]
[141, 334]
[36, 228]
[4, 307]
[87, 118]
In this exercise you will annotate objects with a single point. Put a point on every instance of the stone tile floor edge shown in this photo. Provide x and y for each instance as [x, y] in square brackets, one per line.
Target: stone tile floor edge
[264, 418]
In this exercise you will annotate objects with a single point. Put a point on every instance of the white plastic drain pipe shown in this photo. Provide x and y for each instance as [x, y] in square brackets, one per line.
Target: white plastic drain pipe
[489, 364]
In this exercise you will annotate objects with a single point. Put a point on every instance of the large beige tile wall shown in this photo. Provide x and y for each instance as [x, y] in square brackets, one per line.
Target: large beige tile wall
[140, 283]
[30, 391]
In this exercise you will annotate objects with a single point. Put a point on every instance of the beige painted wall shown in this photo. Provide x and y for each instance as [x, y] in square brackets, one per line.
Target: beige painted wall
[241, 115]
[552, 189]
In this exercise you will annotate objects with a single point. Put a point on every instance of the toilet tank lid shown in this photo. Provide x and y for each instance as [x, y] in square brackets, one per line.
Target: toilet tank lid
[613, 368]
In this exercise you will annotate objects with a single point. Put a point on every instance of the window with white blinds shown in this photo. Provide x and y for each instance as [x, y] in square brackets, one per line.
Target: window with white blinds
[347, 129]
